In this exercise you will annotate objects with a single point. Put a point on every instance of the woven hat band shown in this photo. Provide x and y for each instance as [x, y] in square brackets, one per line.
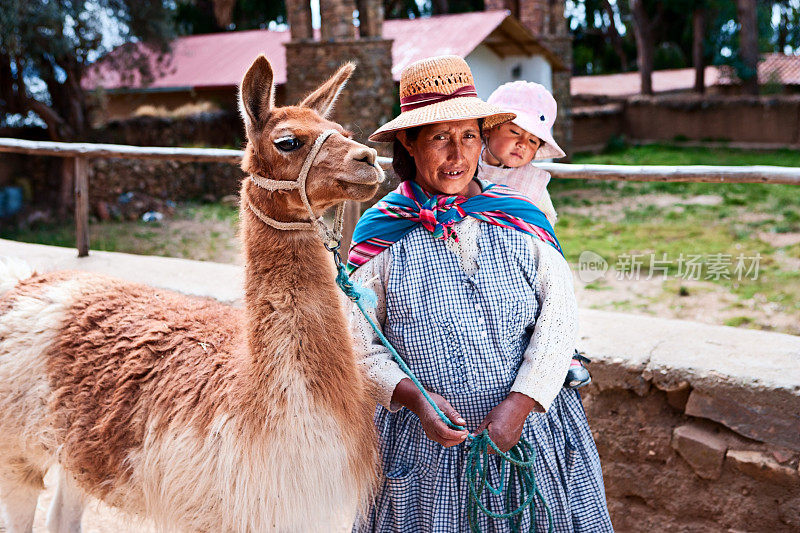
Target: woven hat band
[418, 100]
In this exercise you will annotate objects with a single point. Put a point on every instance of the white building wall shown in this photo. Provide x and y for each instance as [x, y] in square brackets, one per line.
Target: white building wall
[490, 70]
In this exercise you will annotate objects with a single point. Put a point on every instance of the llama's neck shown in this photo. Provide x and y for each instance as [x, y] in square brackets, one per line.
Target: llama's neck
[296, 332]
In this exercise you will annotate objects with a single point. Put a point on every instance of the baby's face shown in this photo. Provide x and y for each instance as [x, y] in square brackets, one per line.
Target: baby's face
[511, 145]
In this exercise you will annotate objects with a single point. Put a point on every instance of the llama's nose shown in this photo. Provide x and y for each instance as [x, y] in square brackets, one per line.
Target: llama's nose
[366, 155]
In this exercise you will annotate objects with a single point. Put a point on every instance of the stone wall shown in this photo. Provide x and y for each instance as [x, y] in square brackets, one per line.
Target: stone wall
[595, 126]
[153, 183]
[766, 121]
[743, 119]
[698, 426]
[160, 180]
[212, 130]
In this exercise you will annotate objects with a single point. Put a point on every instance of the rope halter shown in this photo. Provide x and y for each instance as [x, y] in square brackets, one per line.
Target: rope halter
[330, 237]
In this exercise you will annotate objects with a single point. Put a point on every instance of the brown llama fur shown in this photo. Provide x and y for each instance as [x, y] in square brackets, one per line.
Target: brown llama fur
[185, 411]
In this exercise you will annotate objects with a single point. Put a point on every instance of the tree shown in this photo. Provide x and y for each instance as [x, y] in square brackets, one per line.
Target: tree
[698, 53]
[643, 30]
[212, 16]
[598, 45]
[748, 43]
[786, 33]
[613, 34]
[47, 46]
[403, 9]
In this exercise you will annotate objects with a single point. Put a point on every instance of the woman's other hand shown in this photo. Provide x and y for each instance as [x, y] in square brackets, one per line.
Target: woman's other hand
[506, 420]
[407, 395]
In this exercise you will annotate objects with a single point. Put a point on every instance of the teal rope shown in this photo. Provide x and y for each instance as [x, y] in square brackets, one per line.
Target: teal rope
[516, 466]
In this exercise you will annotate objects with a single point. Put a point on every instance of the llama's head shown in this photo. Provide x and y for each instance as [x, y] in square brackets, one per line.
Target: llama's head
[279, 140]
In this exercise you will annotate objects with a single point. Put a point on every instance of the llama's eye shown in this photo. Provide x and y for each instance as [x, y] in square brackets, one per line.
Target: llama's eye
[288, 144]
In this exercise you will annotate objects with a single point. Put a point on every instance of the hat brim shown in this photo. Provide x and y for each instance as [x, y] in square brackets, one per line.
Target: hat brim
[461, 108]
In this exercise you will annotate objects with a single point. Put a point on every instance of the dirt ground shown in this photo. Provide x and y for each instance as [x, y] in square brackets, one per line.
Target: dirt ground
[698, 301]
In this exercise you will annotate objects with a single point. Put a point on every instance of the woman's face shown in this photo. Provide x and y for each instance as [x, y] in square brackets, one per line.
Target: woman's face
[446, 156]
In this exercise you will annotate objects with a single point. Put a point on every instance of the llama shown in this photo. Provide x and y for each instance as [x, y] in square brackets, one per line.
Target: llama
[197, 415]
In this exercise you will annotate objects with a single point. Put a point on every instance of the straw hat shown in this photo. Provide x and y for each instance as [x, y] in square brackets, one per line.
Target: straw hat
[438, 89]
[536, 112]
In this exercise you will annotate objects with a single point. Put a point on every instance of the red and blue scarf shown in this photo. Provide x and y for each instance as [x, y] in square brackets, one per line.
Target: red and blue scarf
[409, 206]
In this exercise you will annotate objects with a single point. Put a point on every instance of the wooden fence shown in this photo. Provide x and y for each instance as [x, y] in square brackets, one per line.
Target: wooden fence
[81, 152]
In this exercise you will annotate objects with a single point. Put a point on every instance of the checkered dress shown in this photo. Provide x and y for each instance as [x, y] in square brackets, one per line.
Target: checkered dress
[464, 337]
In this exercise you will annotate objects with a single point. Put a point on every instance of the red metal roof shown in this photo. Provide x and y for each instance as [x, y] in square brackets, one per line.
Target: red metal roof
[203, 61]
[221, 59]
[445, 34]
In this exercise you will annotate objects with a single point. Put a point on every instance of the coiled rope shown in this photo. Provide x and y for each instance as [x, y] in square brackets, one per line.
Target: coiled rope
[516, 467]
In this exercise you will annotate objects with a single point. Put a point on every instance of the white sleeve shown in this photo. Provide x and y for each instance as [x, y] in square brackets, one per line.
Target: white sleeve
[547, 358]
[375, 359]
[546, 205]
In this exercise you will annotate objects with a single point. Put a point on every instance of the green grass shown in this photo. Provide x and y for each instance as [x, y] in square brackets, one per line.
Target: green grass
[739, 321]
[730, 227]
[196, 231]
[668, 154]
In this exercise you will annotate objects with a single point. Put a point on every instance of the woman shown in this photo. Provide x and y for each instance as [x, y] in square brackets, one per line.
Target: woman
[475, 295]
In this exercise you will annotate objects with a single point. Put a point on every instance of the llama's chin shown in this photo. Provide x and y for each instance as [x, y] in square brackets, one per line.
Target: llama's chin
[359, 192]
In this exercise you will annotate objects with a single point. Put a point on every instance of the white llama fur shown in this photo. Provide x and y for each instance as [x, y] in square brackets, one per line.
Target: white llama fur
[12, 271]
[180, 494]
[27, 446]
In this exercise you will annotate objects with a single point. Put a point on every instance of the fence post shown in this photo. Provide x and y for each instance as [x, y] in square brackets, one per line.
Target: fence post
[81, 206]
[352, 211]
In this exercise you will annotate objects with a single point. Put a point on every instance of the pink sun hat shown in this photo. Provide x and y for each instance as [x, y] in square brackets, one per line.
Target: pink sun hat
[536, 112]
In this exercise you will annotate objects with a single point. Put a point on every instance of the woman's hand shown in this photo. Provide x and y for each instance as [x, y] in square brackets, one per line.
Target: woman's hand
[506, 420]
[407, 394]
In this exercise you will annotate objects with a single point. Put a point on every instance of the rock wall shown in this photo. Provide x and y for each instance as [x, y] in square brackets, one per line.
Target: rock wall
[698, 426]
[161, 181]
[747, 121]
[212, 130]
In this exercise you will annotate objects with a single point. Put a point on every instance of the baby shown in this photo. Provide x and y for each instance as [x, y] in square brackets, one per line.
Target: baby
[508, 151]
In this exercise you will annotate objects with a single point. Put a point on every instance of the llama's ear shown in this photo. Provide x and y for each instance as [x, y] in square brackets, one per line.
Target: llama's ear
[325, 96]
[255, 93]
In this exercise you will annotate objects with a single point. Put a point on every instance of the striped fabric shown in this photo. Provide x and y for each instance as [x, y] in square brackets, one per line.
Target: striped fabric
[409, 206]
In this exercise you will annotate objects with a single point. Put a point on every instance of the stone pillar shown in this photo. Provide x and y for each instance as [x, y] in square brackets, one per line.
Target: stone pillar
[370, 18]
[562, 130]
[510, 5]
[535, 15]
[299, 15]
[337, 19]
[558, 24]
[367, 99]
